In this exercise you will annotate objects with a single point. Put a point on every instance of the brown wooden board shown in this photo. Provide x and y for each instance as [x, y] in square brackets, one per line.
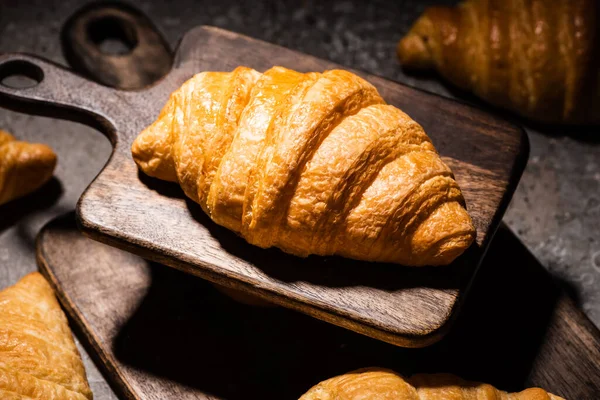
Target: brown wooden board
[146, 57]
[160, 334]
[404, 306]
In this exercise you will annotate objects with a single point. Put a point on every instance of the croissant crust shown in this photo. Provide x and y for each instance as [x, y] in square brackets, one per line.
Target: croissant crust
[538, 58]
[38, 358]
[312, 163]
[24, 167]
[381, 384]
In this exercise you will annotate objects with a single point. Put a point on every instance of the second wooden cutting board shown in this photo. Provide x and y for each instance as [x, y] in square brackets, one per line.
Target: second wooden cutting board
[160, 334]
[405, 306]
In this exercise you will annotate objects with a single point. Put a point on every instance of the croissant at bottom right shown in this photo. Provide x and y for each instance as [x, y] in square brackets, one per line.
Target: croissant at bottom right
[382, 384]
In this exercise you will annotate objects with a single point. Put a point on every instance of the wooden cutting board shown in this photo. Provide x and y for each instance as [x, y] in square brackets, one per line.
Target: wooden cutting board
[160, 334]
[405, 306]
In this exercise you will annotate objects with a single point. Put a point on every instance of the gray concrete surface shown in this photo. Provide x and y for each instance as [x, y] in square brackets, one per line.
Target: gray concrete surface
[556, 210]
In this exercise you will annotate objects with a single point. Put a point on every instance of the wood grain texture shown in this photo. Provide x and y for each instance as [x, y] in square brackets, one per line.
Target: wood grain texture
[160, 334]
[404, 306]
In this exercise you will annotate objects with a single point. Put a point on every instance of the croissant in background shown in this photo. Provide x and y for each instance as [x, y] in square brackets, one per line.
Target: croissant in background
[311, 163]
[38, 358]
[24, 167]
[380, 384]
[538, 58]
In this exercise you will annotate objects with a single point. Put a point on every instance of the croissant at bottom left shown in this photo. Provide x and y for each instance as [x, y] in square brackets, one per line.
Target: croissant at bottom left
[38, 357]
[381, 384]
[311, 163]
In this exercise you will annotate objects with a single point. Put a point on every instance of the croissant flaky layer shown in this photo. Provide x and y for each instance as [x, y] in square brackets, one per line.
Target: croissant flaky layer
[38, 358]
[380, 384]
[539, 58]
[24, 167]
[311, 163]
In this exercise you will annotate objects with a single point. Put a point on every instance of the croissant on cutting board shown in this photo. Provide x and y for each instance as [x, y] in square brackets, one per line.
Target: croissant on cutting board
[381, 384]
[24, 167]
[311, 163]
[38, 358]
[538, 58]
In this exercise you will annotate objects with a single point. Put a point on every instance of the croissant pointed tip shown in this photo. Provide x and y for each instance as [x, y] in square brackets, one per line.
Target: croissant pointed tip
[438, 242]
[41, 161]
[26, 167]
[5, 137]
[414, 53]
[42, 154]
[150, 154]
[450, 248]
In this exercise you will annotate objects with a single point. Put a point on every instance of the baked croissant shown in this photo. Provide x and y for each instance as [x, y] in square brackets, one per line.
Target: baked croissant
[38, 358]
[311, 163]
[380, 384]
[24, 167]
[538, 58]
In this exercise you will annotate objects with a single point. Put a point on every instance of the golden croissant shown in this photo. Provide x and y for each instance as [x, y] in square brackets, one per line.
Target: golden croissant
[539, 58]
[24, 167]
[311, 163]
[380, 384]
[38, 358]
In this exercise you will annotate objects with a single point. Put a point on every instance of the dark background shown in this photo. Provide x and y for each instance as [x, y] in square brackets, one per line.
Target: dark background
[555, 212]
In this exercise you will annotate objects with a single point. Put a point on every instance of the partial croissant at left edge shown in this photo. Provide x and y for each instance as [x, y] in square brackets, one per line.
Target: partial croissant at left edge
[311, 163]
[24, 167]
[38, 357]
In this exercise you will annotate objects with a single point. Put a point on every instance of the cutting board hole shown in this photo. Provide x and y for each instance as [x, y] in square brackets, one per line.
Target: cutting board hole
[20, 74]
[112, 35]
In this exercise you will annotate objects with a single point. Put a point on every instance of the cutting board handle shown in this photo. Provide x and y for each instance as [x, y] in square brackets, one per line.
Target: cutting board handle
[139, 55]
[36, 86]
